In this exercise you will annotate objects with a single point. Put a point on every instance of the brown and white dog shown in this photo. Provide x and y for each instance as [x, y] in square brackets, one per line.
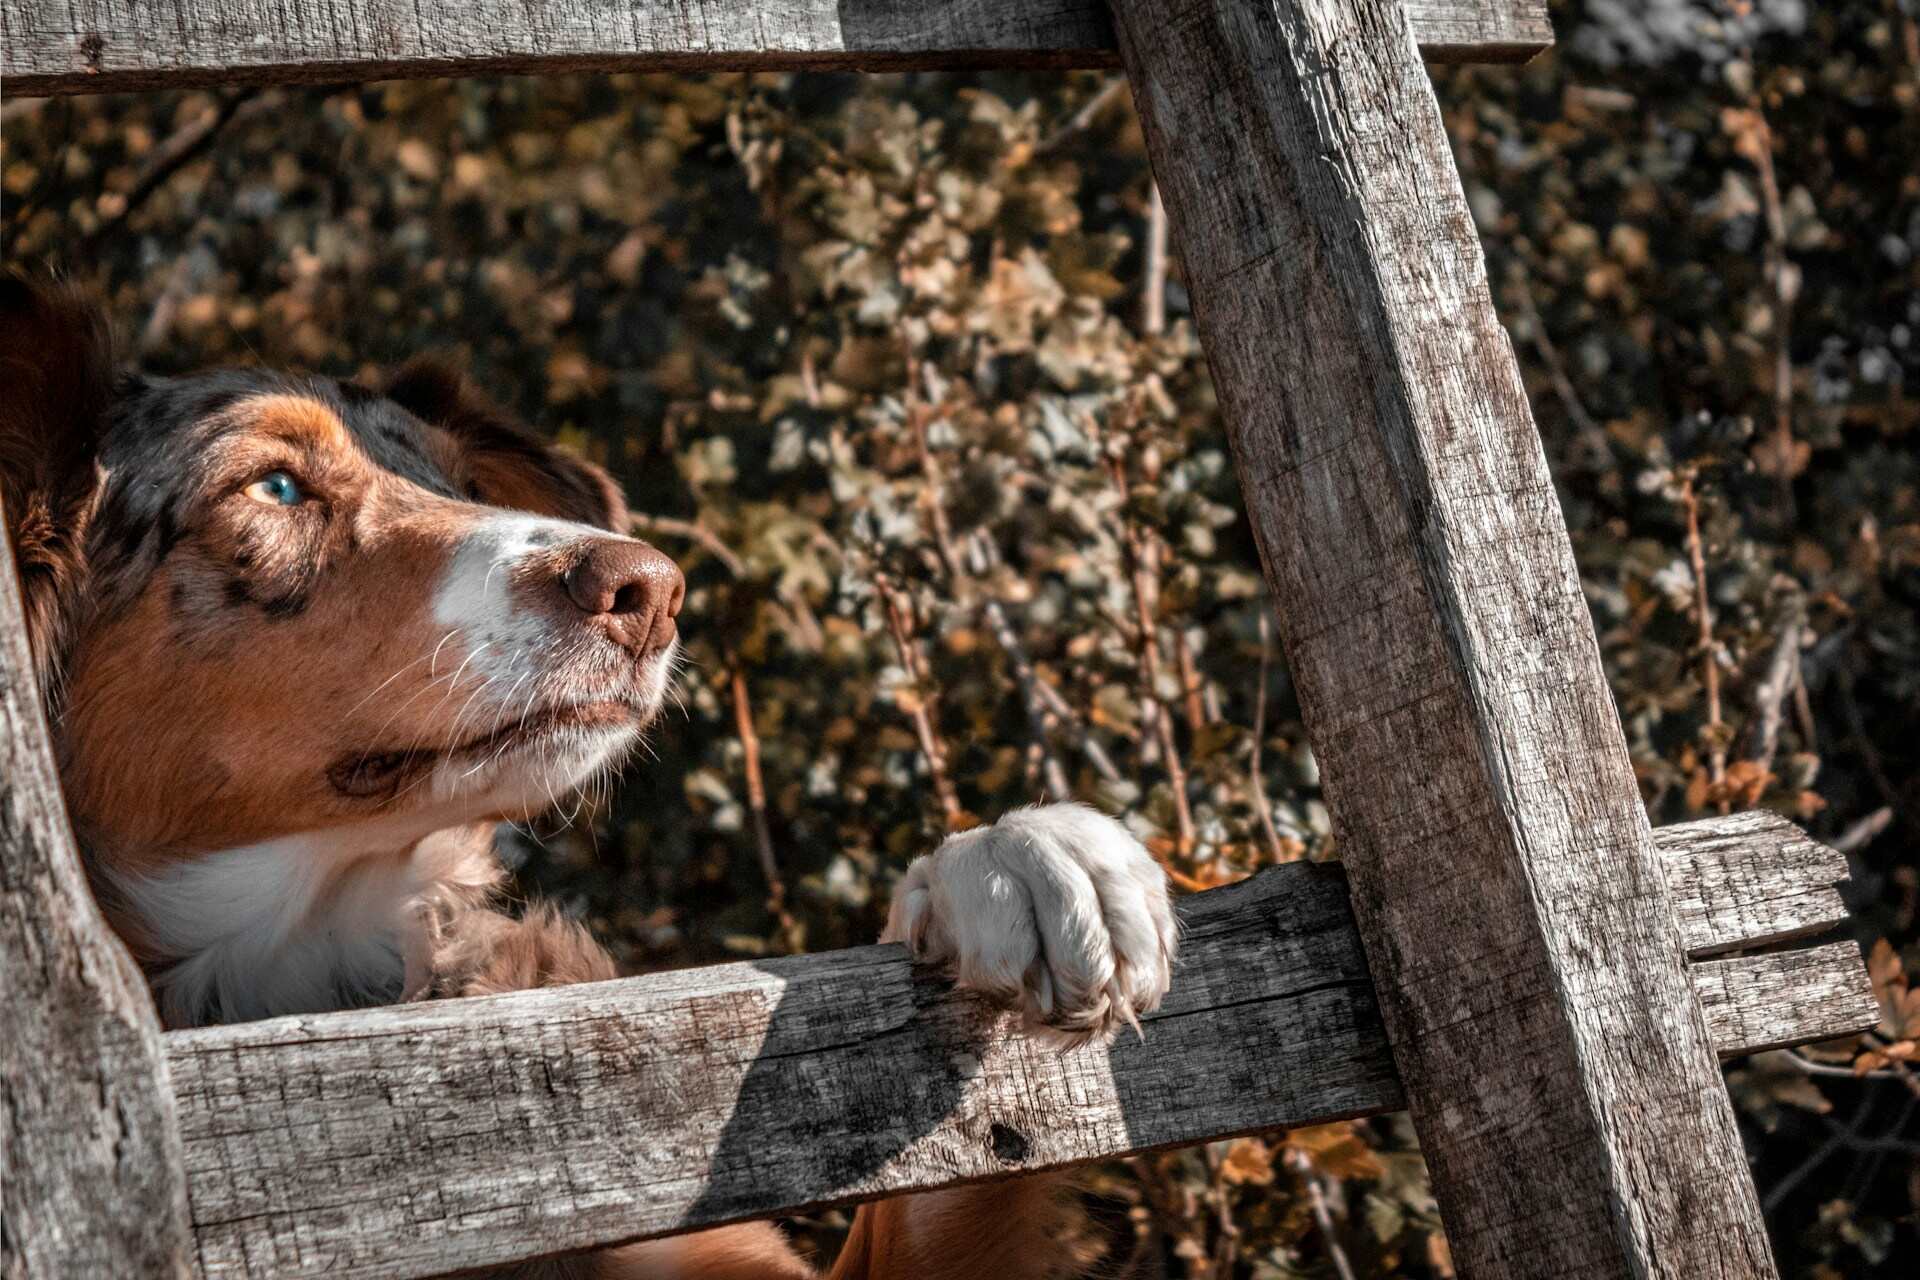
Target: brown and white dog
[303, 643]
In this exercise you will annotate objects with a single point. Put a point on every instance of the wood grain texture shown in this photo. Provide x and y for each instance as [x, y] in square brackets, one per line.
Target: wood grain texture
[99, 46]
[89, 1152]
[1517, 927]
[412, 1140]
[1782, 998]
[1749, 880]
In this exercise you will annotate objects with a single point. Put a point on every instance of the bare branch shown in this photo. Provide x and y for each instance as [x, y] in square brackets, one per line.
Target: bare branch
[1593, 437]
[1256, 779]
[1089, 111]
[1041, 719]
[1322, 1218]
[1709, 660]
[1862, 833]
[1143, 564]
[757, 807]
[1770, 695]
[899, 623]
[183, 146]
[1783, 281]
[1153, 291]
[694, 532]
[1191, 686]
[1068, 722]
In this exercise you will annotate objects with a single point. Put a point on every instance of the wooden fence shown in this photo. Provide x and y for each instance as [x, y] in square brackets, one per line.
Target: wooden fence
[1509, 952]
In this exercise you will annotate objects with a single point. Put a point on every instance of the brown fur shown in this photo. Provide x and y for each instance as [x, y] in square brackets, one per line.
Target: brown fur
[57, 365]
[222, 673]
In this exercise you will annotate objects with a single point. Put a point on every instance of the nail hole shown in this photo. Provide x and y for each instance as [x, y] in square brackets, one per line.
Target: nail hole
[1009, 1145]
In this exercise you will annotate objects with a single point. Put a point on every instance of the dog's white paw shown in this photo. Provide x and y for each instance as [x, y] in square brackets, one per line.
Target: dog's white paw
[1056, 907]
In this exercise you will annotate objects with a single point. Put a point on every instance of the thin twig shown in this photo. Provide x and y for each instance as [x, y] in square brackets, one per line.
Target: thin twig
[1812, 1068]
[1144, 569]
[1190, 683]
[1042, 762]
[1153, 291]
[1592, 436]
[900, 625]
[1256, 779]
[1770, 695]
[1803, 708]
[1088, 112]
[1042, 720]
[1862, 833]
[757, 806]
[1077, 734]
[1709, 661]
[694, 532]
[1779, 283]
[1226, 1243]
[182, 147]
[1322, 1216]
[919, 418]
[1779, 1191]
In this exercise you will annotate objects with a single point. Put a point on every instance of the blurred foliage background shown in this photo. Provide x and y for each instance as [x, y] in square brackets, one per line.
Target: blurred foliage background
[895, 366]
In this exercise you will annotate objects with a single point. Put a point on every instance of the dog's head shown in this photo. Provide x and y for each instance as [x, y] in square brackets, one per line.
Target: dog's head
[264, 605]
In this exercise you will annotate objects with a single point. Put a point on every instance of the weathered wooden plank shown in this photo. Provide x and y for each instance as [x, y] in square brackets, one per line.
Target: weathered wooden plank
[1782, 998]
[90, 1181]
[1749, 880]
[412, 1140]
[1517, 927]
[100, 46]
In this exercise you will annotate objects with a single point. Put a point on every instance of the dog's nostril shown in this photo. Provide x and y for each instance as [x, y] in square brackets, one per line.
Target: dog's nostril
[632, 598]
[636, 587]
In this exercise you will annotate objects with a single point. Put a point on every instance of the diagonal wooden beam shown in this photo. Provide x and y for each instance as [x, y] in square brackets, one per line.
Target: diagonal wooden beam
[1557, 1064]
[415, 1140]
[102, 46]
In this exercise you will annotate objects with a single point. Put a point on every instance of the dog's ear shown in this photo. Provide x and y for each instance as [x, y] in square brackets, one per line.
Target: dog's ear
[57, 383]
[511, 466]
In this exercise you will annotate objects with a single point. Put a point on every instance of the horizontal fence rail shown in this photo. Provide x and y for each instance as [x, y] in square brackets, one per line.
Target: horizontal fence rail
[101, 46]
[427, 1138]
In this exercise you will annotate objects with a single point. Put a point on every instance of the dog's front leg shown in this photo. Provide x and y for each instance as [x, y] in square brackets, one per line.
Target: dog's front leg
[1056, 909]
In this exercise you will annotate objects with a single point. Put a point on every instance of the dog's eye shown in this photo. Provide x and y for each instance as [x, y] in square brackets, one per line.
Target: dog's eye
[276, 488]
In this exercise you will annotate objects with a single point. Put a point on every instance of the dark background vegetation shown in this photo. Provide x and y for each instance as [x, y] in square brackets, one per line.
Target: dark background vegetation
[883, 361]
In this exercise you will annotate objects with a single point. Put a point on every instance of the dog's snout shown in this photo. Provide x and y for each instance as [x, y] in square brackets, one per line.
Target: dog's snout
[635, 588]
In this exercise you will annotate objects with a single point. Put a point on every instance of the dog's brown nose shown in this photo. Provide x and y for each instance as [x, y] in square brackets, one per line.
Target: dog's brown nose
[634, 587]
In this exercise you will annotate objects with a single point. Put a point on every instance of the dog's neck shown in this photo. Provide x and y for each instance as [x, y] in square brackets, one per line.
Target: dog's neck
[301, 924]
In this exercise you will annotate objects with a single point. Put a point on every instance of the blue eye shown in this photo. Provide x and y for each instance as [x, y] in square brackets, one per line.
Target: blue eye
[276, 488]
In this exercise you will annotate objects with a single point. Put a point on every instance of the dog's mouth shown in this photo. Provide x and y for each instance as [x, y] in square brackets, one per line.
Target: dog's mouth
[384, 774]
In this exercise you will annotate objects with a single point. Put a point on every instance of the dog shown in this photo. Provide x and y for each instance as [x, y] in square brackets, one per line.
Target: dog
[303, 643]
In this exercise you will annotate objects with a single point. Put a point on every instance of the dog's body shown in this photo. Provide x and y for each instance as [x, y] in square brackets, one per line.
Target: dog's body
[304, 644]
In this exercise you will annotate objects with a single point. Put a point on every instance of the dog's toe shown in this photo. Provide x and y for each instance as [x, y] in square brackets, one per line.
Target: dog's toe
[1056, 907]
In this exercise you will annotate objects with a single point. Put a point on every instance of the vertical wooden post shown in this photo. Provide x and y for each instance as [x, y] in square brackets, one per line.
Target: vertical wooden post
[1516, 924]
[91, 1182]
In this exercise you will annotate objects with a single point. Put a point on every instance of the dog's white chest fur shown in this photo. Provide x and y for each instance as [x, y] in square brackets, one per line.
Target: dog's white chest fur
[302, 924]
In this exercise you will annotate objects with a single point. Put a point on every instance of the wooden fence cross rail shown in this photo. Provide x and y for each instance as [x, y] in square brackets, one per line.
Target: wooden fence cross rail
[99, 46]
[1511, 954]
[348, 1144]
